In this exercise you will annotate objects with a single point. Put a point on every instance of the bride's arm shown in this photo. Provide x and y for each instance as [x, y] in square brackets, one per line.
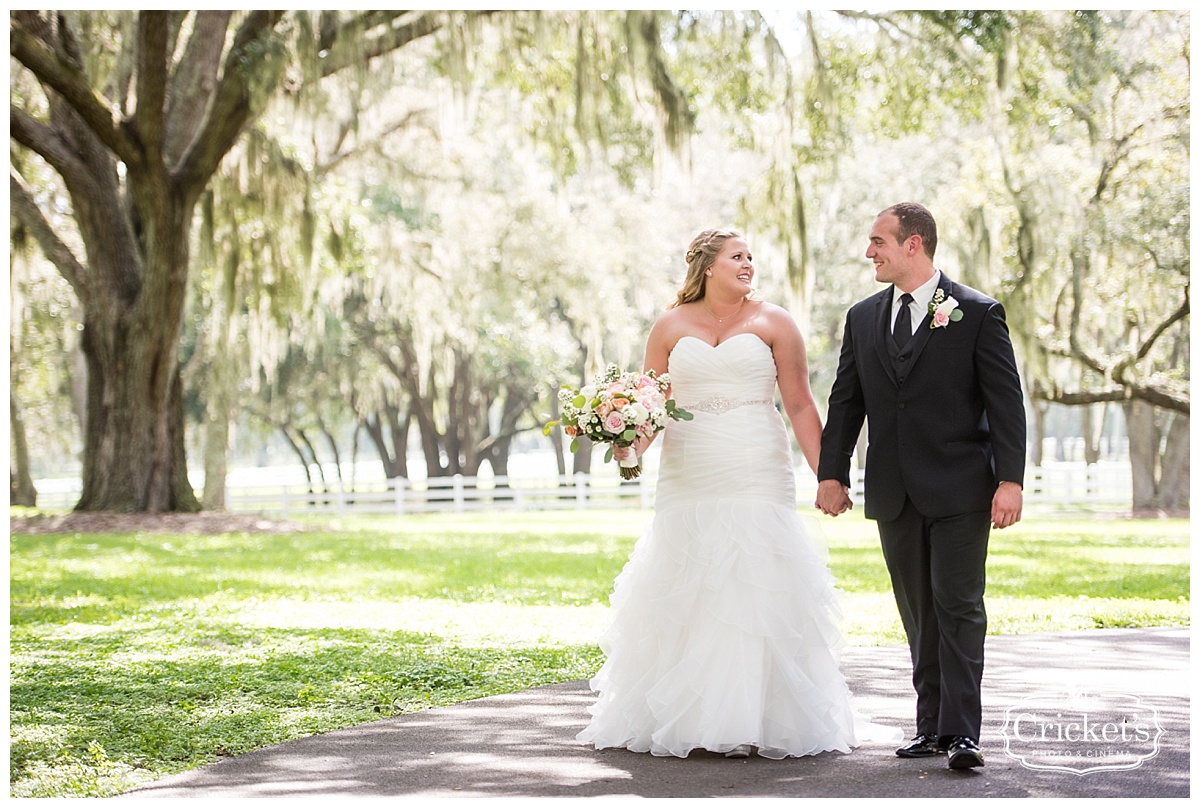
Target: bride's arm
[791, 368]
[658, 351]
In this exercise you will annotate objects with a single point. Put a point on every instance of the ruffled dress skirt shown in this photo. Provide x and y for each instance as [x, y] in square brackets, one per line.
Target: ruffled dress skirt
[725, 619]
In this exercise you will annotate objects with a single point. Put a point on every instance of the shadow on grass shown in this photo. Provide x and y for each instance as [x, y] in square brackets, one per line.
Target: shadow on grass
[128, 647]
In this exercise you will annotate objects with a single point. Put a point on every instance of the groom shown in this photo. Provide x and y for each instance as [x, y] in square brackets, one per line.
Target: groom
[928, 362]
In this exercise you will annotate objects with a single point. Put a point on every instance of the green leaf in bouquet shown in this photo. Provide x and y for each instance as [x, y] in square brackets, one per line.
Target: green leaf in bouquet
[579, 401]
[628, 435]
[546, 430]
[574, 444]
[608, 456]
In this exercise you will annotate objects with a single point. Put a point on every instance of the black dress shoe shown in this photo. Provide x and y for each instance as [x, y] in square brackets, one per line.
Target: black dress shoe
[964, 753]
[920, 746]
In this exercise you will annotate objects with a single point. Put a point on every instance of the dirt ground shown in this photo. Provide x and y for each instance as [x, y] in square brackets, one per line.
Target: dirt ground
[208, 523]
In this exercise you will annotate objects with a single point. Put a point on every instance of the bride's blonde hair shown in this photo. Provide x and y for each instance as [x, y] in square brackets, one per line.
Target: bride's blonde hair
[701, 254]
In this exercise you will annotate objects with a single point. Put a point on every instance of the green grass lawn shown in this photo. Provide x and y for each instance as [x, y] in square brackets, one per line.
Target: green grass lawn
[137, 655]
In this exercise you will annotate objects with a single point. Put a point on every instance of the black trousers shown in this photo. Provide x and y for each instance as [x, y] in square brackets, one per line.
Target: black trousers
[937, 571]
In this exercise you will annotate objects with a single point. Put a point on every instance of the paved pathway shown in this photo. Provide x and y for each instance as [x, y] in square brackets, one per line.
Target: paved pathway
[1130, 681]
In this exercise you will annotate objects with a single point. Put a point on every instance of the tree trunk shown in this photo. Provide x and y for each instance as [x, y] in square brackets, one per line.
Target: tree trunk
[799, 263]
[393, 446]
[134, 173]
[1092, 427]
[1174, 490]
[495, 448]
[1039, 432]
[134, 457]
[316, 460]
[582, 462]
[333, 449]
[423, 407]
[217, 439]
[298, 450]
[1143, 453]
[222, 396]
[430, 440]
[21, 490]
[556, 434]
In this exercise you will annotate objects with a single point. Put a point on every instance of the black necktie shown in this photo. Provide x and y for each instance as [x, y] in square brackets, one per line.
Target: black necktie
[902, 330]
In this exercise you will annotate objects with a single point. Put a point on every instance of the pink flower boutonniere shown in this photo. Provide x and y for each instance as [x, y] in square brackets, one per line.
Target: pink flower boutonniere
[943, 310]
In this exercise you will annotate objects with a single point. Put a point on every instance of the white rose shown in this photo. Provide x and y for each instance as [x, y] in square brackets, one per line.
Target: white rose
[636, 413]
[946, 306]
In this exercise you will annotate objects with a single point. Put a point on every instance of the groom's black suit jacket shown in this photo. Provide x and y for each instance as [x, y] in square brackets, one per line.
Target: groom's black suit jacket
[945, 425]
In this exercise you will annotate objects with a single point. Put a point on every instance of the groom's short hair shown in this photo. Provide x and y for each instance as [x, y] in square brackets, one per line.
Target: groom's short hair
[915, 220]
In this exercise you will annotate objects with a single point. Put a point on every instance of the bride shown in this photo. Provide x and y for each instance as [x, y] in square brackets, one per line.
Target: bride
[725, 617]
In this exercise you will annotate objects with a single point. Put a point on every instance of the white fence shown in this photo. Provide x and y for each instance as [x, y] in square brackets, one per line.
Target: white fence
[1064, 485]
[455, 493]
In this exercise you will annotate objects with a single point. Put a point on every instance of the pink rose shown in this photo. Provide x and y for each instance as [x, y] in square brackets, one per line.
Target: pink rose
[614, 423]
[571, 431]
[616, 387]
[603, 408]
[646, 381]
[618, 402]
[650, 399]
[940, 319]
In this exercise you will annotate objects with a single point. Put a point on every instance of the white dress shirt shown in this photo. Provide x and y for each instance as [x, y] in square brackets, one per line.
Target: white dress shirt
[922, 297]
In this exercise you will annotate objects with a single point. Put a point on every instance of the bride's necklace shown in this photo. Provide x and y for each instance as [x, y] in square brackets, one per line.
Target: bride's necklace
[736, 311]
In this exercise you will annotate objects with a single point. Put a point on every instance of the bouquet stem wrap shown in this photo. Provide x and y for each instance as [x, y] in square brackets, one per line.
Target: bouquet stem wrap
[631, 466]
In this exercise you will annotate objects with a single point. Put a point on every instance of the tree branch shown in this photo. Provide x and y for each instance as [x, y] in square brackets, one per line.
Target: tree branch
[1161, 397]
[230, 107]
[55, 250]
[408, 120]
[394, 37]
[1183, 311]
[153, 31]
[71, 84]
[194, 81]
[42, 140]
[1078, 397]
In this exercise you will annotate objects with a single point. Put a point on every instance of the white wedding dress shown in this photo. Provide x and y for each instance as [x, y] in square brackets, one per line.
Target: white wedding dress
[725, 618]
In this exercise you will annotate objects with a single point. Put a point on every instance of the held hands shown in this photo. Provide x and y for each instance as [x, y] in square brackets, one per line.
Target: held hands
[833, 498]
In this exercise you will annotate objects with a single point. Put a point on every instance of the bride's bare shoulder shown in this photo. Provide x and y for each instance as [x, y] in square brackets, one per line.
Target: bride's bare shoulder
[777, 322]
[773, 314]
[675, 322]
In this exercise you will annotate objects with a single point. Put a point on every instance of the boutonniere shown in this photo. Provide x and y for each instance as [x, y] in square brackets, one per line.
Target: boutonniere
[943, 310]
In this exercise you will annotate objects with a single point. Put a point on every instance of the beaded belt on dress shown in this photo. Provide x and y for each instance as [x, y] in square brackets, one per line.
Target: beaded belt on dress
[720, 404]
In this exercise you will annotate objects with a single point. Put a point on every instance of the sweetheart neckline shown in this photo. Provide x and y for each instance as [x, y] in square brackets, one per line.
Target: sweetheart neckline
[724, 342]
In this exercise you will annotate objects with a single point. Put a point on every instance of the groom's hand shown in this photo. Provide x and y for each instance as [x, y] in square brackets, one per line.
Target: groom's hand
[833, 498]
[1006, 505]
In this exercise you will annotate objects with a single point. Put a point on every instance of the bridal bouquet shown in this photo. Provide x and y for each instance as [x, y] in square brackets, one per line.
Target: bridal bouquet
[617, 408]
